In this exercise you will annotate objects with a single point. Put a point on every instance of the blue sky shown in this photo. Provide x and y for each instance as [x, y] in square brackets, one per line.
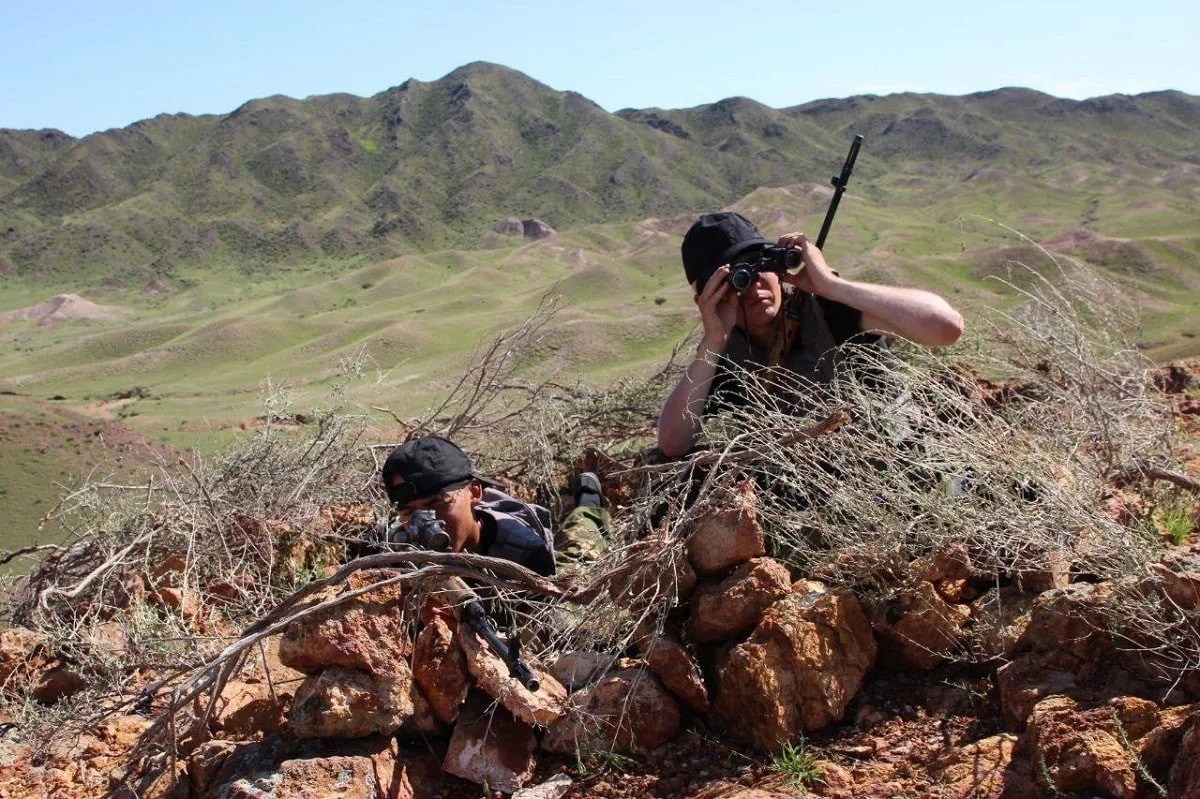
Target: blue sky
[87, 66]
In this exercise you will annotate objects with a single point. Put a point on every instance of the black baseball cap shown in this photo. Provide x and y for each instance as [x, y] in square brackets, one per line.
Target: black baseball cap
[715, 240]
[427, 466]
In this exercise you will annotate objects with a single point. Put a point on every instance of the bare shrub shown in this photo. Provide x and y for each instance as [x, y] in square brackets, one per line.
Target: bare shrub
[933, 456]
[1067, 344]
[227, 516]
[171, 567]
[535, 432]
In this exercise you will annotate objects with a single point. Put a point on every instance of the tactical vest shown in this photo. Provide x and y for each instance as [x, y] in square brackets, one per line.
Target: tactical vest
[511, 515]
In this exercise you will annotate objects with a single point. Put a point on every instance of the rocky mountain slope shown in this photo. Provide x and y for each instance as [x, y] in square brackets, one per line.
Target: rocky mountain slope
[424, 165]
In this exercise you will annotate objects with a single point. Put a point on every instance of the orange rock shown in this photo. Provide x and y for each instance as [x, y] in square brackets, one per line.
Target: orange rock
[490, 746]
[625, 708]
[440, 667]
[925, 632]
[1080, 752]
[797, 671]
[726, 536]
[348, 703]
[733, 606]
[369, 632]
[677, 671]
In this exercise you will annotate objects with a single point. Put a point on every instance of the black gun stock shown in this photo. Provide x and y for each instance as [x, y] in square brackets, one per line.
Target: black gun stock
[509, 651]
[839, 186]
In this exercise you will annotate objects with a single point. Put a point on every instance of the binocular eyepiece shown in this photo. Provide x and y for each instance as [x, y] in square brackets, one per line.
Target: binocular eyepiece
[773, 259]
[424, 529]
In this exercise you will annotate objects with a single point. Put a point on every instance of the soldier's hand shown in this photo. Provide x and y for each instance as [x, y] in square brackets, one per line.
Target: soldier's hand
[718, 309]
[816, 275]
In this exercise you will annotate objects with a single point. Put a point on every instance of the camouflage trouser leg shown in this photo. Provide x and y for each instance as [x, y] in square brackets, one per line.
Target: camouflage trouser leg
[584, 536]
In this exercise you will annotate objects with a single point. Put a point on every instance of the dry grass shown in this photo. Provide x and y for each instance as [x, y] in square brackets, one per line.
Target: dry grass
[905, 454]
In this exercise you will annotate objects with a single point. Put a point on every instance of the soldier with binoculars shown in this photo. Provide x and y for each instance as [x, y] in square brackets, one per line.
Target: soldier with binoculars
[757, 313]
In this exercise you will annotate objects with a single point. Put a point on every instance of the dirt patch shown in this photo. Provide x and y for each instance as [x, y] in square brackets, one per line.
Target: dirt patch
[1078, 240]
[64, 306]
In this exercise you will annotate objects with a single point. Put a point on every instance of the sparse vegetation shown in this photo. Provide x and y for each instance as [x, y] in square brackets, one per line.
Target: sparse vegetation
[927, 457]
[1176, 517]
[797, 765]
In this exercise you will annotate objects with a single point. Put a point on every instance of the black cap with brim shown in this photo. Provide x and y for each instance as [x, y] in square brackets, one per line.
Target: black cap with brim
[427, 467]
[715, 240]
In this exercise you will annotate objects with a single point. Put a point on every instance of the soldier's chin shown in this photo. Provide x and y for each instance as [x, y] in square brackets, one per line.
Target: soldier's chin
[761, 304]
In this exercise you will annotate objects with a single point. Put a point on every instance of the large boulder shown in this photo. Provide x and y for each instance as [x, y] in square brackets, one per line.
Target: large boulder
[951, 563]
[623, 709]
[1071, 619]
[651, 573]
[1180, 587]
[1158, 748]
[369, 632]
[733, 606]
[490, 747]
[248, 709]
[798, 670]
[920, 630]
[375, 767]
[998, 621]
[440, 667]
[26, 662]
[1078, 750]
[676, 670]
[349, 703]
[1032, 677]
[312, 778]
[576, 669]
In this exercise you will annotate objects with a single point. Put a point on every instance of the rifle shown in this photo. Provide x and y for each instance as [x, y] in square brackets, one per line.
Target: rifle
[839, 186]
[472, 613]
[509, 651]
[426, 530]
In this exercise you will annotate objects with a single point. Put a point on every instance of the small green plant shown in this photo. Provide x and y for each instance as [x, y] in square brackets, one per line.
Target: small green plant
[796, 764]
[1176, 522]
[1047, 780]
[600, 761]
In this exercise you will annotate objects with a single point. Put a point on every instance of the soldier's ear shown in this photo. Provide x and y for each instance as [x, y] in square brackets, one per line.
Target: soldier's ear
[476, 489]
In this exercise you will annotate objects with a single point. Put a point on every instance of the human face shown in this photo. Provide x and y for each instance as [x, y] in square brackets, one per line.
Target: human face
[759, 304]
[455, 508]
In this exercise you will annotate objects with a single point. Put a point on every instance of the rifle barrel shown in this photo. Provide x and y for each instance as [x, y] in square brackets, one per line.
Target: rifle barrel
[839, 186]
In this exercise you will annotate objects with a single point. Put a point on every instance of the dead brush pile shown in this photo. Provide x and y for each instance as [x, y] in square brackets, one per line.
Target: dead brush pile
[153, 578]
[909, 457]
[911, 454]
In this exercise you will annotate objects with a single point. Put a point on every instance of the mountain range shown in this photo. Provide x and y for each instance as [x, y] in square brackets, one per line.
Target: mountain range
[442, 164]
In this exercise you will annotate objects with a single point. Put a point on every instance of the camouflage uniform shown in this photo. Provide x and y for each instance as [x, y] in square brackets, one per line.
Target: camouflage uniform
[583, 538]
